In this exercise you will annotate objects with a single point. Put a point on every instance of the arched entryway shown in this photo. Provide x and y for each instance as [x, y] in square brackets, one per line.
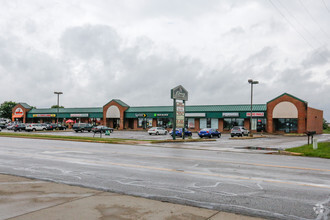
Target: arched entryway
[113, 114]
[285, 117]
[113, 117]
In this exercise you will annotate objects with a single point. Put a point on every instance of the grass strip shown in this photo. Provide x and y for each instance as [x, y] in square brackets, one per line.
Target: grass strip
[322, 151]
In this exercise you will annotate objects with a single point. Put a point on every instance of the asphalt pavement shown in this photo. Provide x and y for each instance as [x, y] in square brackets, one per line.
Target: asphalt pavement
[287, 187]
[23, 198]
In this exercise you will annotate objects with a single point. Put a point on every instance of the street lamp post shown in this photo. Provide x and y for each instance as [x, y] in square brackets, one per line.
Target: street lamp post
[251, 82]
[58, 103]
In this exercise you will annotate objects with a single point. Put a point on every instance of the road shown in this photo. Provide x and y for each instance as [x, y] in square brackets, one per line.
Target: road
[269, 186]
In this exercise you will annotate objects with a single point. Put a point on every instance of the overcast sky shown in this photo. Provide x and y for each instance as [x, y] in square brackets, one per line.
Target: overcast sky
[94, 51]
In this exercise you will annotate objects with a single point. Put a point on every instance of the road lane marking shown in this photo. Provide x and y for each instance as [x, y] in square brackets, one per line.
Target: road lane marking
[193, 159]
[208, 160]
[93, 162]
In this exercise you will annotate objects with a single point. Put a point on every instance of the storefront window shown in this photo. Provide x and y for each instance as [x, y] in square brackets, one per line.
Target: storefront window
[286, 124]
[215, 123]
[228, 123]
[261, 124]
[164, 122]
[140, 122]
[144, 122]
[208, 123]
[202, 123]
[191, 123]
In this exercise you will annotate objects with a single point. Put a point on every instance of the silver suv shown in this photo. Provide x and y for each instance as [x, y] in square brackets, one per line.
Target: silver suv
[35, 127]
[239, 131]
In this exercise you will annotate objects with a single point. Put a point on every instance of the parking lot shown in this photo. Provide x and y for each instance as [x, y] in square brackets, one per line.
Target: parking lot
[267, 141]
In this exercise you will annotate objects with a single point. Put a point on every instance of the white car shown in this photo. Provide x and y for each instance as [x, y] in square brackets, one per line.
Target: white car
[35, 127]
[157, 130]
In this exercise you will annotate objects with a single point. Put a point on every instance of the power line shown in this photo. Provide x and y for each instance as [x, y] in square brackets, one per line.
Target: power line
[326, 6]
[298, 22]
[310, 15]
[300, 34]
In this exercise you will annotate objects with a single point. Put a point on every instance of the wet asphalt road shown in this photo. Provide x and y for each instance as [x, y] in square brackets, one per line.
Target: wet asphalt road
[270, 186]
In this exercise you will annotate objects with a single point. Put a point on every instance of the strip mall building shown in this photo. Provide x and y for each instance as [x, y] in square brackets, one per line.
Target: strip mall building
[283, 114]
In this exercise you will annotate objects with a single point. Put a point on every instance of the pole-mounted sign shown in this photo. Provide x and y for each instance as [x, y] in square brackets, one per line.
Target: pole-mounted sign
[179, 93]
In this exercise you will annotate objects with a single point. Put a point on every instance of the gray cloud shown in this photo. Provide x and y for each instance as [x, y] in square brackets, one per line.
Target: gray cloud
[316, 58]
[94, 53]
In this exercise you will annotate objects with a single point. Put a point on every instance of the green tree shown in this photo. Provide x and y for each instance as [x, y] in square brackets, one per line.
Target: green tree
[325, 124]
[55, 106]
[6, 109]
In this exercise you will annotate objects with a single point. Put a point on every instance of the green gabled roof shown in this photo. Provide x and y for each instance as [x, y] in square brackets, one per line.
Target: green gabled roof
[226, 108]
[65, 110]
[150, 109]
[25, 105]
[288, 95]
[201, 108]
[119, 102]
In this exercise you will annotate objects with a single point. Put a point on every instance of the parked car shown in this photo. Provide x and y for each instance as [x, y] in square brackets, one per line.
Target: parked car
[239, 131]
[157, 131]
[19, 127]
[101, 129]
[51, 126]
[2, 124]
[10, 126]
[178, 132]
[82, 127]
[61, 127]
[209, 132]
[35, 127]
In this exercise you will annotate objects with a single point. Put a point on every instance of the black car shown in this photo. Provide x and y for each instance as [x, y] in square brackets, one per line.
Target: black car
[82, 127]
[61, 127]
[19, 127]
[51, 126]
[102, 129]
[3, 125]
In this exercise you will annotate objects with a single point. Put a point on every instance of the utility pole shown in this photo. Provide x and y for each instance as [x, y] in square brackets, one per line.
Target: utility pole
[251, 82]
[58, 103]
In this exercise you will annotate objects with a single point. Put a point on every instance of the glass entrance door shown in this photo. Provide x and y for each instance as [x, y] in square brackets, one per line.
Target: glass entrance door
[286, 124]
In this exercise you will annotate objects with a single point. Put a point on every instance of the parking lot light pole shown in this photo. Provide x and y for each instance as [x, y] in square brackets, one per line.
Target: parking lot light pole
[251, 82]
[58, 104]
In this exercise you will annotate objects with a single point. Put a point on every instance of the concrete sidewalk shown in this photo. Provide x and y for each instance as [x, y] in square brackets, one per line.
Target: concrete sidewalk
[23, 198]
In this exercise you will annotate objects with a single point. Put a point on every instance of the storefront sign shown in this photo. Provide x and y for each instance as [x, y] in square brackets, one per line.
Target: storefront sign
[161, 115]
[179, 115]
[79, 115]
[44, 115]
[197, 115]
[141, 115]
[230, 114]
[18, 111]
[255, 114]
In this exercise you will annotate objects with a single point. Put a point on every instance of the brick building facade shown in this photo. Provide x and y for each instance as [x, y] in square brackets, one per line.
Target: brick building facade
[284, 114]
